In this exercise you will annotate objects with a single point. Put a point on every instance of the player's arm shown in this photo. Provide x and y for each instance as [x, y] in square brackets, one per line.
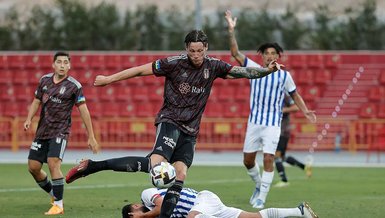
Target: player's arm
[232, 22]
[290, 109]
[143, 70]
[86, 117]
[252, 72]
[31, 113]
[310, 115]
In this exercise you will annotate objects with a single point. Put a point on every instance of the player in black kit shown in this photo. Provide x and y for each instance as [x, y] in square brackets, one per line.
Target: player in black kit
[188, 82]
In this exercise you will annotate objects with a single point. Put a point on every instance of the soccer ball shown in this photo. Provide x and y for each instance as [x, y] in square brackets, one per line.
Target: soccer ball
[163, 175]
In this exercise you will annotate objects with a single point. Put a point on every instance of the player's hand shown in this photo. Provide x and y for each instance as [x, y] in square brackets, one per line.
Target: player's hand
[274, 66]
[101, 80]
[136, 214]
[27, 124]
[232, 22]
[93, 145]
[310, 115]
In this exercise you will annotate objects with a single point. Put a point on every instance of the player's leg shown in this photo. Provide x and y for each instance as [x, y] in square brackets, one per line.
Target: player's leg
[37, 156]
[250, 148]
[270, 138]
[279, 157]
[303, 210]
[161, 151]
[294, 162]
[182, 157]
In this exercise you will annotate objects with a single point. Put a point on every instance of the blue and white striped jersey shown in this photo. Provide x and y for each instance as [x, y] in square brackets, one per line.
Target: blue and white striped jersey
[184, 205]
[267, 95]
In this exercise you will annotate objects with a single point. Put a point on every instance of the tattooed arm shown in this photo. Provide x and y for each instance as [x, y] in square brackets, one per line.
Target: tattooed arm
[252, 72]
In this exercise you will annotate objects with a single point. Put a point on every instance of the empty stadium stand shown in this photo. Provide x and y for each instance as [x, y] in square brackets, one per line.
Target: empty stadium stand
[350, 85]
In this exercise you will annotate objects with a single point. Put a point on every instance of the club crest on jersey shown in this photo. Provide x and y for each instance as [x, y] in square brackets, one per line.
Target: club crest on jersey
[206, 73]
[62, 90]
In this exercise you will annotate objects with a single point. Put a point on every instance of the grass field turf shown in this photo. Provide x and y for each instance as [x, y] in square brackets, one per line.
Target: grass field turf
[332, 192]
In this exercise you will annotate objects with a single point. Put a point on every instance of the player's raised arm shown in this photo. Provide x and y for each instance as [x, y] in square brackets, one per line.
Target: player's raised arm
[253, 72]
[143, 70]
[232, 22]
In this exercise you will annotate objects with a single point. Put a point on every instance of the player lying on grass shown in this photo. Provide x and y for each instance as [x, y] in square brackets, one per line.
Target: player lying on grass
[205, 204]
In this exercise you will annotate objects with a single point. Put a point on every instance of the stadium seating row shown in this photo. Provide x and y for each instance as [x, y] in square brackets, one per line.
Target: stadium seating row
[116, 61]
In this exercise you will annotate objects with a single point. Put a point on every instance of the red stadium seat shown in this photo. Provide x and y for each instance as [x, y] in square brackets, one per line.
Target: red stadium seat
[368, 110]
[310, 93]
[332, 60]
[7, 93]
[113, 62]
[315, 61]
[108, 93]
[24, 93]
[95, 109]
[110, 109]
[226, 93]
[11, 109]
[91, 93]
[21, 77]
[16, 62]
[382, 77]
[85, 77]
[376, 93]
[304, 77]
[128, 61]
[96, 62]
[124, 93]
[140, 94]
[79, 62]
[45, 62]
[5, 77]
[32, 62]
[232, 109]
[3, 62]
[296, 61]
[145, 109]
[381, 111]
[322, 77]
[127, 109]
[213, 110]
[23, 107]
[156, 93]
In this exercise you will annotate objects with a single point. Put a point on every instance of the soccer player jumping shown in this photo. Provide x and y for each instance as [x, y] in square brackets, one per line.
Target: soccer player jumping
[188, 82]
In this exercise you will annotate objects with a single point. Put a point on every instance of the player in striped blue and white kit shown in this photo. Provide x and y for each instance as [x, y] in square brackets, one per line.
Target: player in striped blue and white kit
[263, 129]
[205, 204]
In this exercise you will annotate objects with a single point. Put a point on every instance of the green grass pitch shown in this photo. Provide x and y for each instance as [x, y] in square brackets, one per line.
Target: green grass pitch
[332, 192]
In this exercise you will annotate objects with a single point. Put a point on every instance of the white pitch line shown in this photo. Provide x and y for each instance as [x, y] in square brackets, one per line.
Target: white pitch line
[119, 185]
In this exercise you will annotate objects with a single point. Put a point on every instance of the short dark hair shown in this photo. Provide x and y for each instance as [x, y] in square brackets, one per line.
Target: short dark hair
[128, 209]
[196, 36]
[262, 48]
[61, 53]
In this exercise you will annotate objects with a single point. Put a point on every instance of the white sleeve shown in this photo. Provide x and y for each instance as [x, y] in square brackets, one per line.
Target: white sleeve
[250, 63]
[148, 196]
[290, 86]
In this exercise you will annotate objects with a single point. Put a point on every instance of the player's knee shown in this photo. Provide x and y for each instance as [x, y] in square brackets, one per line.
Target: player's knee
[249, 163]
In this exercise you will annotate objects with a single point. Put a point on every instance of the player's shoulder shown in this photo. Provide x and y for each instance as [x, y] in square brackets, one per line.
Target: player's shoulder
[74, 81]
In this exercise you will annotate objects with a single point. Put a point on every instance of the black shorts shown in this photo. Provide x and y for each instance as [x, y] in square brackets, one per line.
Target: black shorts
[173, 144]
[282, 145]
[41, 149]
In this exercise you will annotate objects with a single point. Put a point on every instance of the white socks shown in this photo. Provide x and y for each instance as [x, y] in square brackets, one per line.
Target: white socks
[280, 212]
[254, 174]
[267, 179]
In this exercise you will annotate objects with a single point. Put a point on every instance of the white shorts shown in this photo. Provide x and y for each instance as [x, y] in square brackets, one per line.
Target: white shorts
[261, 138]
[210, 204]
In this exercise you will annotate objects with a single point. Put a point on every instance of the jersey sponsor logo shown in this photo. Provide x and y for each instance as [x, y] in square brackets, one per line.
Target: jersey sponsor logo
[55, 99]
[206, 73]
[159, 148]
[35, 146]
[62, 90]
[139, 166]
[169, 142]
[184, 88]
[197, 90]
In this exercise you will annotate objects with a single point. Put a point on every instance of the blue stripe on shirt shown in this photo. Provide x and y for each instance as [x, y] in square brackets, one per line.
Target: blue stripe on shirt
[275, 100]
[263, 100]
[270, 95]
